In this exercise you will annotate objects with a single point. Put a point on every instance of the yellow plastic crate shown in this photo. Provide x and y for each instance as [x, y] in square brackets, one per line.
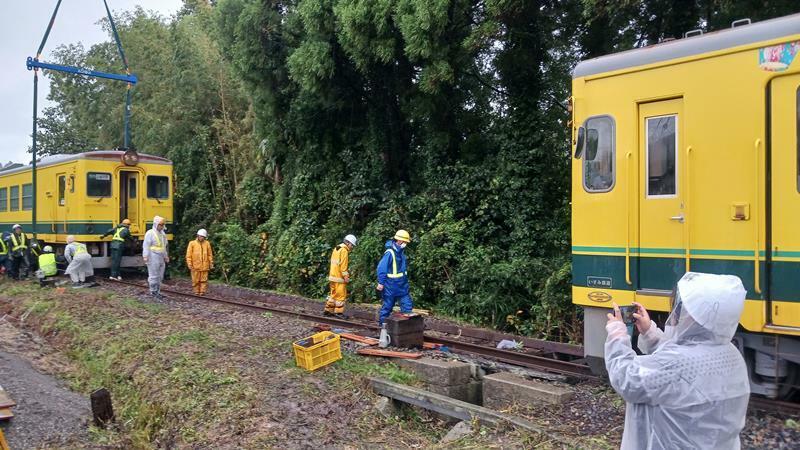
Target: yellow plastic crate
[318, 350]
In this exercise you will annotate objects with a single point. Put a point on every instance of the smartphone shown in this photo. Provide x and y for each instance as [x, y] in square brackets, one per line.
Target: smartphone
[627, 314]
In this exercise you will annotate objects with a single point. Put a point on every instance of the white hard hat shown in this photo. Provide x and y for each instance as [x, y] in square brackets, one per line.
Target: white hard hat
[16, 225]
[202, 232]
[48, 249]
[351, 239]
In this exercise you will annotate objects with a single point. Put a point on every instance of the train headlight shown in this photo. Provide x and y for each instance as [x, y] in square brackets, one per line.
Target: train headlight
[130, 157]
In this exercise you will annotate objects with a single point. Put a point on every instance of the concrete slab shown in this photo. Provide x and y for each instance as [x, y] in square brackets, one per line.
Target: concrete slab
[503, 389]
[469, 392]
[438, 372]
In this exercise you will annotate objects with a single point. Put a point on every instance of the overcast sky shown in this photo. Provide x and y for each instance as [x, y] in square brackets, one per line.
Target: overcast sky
[22, 25]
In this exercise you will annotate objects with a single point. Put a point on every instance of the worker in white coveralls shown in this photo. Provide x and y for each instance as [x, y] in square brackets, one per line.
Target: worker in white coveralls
[690, 389]
[80, 262]
[156, 256]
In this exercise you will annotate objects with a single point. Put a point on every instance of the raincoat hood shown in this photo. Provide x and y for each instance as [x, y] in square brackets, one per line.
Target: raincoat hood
[712, 305]
[157, 220]
[390, 244]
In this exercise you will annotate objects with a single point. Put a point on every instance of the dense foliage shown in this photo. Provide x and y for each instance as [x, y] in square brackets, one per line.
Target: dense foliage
[294, 122]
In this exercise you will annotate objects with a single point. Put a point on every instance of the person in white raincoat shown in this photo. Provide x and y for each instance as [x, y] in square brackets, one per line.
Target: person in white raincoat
[690, 389]
[155, 254]
[80, 262]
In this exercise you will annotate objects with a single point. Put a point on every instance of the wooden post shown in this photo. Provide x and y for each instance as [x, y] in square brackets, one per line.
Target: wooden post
[102, 411]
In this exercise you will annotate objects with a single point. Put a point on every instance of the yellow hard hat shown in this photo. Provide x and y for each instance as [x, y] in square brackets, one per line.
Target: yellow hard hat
[402, 235]
[126, 222]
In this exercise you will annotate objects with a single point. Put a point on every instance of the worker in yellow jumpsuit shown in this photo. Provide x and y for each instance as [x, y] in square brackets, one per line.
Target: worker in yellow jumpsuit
[339, 276]
[200, 260]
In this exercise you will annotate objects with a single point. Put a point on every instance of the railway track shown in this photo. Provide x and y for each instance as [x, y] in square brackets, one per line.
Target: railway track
[531, 361]
[536, 362]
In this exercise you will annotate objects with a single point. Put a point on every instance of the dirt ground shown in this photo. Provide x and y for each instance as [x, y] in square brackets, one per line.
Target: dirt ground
[199, 375]
[47, 413]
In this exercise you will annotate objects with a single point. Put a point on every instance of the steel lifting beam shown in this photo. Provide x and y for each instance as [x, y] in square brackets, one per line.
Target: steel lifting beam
[36, 64]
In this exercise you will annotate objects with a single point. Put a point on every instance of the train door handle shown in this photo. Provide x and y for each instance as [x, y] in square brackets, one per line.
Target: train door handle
[679, 218]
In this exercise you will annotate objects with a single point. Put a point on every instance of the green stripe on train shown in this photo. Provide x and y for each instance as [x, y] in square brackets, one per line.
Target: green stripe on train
[68, 227]
[663, 273]
[679, 251]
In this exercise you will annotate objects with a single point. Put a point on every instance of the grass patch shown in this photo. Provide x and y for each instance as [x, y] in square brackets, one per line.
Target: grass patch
[170, 382]
[364, 367]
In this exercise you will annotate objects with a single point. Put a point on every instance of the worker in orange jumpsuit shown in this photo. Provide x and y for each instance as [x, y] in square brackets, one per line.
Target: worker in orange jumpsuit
[200, 260]
[339, 276]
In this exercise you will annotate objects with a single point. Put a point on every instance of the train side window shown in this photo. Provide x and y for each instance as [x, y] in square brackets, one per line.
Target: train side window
[62, 190]
[662, 146]
[98, 184]
[72, 184]
[797, 131]
[598, 157]
[27, 197]
[132, 187]
[14, 198]
[3, 199]
[157, 187]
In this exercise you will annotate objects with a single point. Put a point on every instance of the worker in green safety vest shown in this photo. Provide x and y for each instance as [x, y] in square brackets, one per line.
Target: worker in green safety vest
[122, 233]
[47, 264]
[4, 258]
[17, 244]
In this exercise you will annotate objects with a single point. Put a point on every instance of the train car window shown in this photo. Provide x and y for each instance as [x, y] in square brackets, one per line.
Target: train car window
[98, 184]
[3, 199]
[14, 198]
[27, 197]
[131, 187]
[72, 184]
[598, 158]
[157, 187]
[62, 190]
[662, 145]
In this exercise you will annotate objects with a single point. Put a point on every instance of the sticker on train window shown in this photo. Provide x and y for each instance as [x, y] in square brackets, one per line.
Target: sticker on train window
[601, 282]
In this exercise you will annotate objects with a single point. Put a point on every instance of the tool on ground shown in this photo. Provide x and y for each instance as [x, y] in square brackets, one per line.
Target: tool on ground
[384, 340]
[369, 351]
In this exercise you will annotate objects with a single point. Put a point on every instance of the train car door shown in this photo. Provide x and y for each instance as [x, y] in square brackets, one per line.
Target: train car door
[784, 202]
[661, 204]
[60, 226]
[129, 198]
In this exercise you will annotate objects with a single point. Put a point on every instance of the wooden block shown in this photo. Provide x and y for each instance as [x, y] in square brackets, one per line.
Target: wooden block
[6, 414]
[361, 339]
[6, 401]
[102, 410]
[387, 353]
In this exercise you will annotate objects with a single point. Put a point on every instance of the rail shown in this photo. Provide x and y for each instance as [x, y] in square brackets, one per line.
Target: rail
[542, 363]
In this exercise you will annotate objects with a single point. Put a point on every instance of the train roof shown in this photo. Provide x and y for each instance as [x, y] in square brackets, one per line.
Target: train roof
[114, 155]
[691, 46]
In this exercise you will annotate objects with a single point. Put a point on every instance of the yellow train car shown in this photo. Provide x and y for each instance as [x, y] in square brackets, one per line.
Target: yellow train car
[86, 194]
[686, 157]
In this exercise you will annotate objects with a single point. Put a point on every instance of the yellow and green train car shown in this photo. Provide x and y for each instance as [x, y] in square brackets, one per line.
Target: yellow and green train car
[687, 157]
[86, 194]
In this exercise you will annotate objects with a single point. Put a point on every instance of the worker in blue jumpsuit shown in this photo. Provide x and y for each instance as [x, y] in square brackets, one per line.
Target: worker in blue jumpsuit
[393, 276]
